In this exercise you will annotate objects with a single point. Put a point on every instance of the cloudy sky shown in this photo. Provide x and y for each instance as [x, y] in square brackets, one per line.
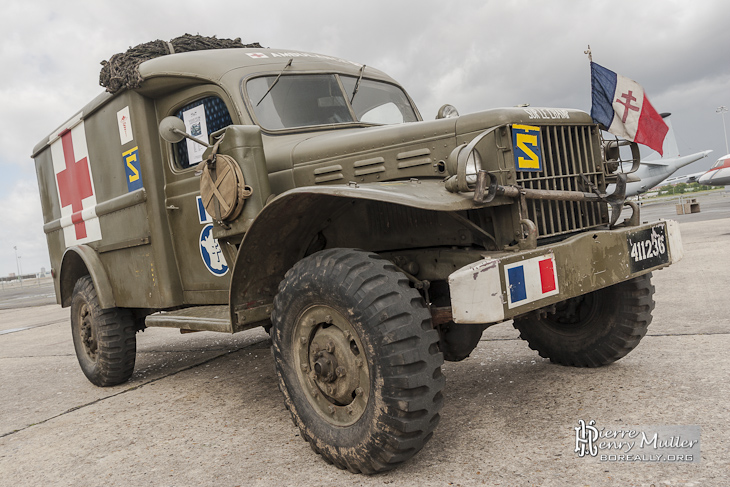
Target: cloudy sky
[473, 54]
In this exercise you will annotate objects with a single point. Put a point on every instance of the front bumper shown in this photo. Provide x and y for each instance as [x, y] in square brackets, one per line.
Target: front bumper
[500, 287]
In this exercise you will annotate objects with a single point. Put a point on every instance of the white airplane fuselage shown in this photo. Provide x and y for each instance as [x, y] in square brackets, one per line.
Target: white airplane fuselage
[719, 173]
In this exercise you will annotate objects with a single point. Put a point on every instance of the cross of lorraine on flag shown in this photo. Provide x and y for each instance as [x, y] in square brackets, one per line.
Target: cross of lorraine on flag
[621, 105]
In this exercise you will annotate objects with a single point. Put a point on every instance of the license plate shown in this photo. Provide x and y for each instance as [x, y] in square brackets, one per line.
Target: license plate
[648, 248]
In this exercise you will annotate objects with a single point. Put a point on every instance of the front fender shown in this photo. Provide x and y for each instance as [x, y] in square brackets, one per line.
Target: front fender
[428, 194]
[282, 232]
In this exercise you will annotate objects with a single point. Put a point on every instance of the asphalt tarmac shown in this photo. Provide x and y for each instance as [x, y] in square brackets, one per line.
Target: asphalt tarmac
[203, 409]
[26, 294]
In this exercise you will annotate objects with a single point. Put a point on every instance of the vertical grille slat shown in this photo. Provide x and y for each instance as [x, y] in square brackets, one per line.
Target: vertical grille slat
[562, 161]
[586, 149]
[572, 182]
[551, 173]
[568, 154]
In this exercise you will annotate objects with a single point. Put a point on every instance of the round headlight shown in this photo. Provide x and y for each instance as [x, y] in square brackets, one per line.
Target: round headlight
[447, 111]
[467, 162]
[473, 165]
[463, 165]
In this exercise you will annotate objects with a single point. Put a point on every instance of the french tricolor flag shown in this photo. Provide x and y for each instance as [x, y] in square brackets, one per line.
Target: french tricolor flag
[621, 105]
[530, 280]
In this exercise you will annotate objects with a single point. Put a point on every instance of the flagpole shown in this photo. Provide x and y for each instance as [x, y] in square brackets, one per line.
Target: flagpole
[590, 61]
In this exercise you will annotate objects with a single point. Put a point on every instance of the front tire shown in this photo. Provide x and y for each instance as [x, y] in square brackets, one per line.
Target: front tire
[594, 329]
[357, 359]
[104, 339]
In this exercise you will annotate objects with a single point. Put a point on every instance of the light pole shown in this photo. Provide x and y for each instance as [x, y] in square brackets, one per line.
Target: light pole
[17, 263]
[721, 110]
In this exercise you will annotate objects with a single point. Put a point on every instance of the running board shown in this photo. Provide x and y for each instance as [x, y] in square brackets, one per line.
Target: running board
[196, 318]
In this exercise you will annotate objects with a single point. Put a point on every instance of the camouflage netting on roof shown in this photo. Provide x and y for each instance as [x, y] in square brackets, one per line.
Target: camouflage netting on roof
[122, 70]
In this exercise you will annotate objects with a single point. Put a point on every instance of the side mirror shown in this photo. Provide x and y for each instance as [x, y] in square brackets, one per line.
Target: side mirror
[172, 129]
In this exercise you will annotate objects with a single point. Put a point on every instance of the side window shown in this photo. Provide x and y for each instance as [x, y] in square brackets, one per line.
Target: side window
[202, 118]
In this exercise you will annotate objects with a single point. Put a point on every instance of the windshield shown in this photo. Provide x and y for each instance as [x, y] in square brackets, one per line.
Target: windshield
[377, 102]
[719, 163]
[318, 99]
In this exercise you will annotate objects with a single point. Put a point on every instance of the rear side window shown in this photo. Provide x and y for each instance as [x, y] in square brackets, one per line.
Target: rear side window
[202, 118]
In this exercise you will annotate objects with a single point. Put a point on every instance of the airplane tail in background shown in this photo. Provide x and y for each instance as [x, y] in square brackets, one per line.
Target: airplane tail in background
[655, 169]
[670, 148]
[670, 142]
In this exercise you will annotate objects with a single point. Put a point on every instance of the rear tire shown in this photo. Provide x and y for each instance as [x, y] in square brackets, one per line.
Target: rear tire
[104, 339]
[357, 359]
[594, 329]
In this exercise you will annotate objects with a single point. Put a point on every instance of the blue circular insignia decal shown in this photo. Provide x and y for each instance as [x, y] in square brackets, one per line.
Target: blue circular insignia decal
[211, 252]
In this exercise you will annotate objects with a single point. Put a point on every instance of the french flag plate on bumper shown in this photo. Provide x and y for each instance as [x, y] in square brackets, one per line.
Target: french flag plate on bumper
[530, 280]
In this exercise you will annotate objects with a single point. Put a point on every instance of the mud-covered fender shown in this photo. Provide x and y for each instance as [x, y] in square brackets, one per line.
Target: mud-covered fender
[79, 261]
[282, 232]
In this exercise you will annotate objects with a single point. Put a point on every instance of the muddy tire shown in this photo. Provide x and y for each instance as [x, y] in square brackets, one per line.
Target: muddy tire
[104, 339]
[357, 359]
[595, 329]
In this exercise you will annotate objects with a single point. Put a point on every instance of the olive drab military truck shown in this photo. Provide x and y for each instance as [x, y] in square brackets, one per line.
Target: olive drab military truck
[238, 188]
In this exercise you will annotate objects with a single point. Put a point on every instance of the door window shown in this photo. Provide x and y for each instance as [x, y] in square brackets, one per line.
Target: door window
[201, 117]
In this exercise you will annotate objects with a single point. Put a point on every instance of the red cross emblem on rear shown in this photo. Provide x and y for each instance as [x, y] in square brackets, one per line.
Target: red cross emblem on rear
[74, 184]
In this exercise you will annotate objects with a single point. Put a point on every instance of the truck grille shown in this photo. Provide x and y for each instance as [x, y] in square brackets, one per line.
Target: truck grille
[568, 153]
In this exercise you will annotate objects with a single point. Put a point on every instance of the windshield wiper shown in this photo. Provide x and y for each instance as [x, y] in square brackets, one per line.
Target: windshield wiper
[276, 81]
[357, 85]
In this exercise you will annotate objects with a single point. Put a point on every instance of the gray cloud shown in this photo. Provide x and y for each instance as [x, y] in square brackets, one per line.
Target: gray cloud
[473, 54]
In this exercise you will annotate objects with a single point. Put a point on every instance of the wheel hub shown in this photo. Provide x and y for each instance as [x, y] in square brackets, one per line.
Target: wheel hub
[332, 366]
[325, 366]
[87, 333]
